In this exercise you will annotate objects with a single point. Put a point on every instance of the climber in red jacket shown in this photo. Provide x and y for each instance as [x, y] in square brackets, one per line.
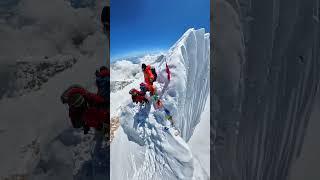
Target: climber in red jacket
[138, 96]
[86, 109]
[150, 76]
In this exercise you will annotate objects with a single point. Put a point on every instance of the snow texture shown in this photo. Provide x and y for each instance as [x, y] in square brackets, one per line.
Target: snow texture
[142, 148]
[266, 75]
[37, 141]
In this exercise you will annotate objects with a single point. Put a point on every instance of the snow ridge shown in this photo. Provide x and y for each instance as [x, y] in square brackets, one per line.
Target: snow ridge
[192, 80]
[160, 154]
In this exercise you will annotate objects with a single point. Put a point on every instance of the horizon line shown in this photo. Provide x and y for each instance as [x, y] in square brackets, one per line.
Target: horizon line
[137, 54]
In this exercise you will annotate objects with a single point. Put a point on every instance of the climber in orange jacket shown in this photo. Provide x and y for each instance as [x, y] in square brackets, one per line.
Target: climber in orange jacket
[150, 76]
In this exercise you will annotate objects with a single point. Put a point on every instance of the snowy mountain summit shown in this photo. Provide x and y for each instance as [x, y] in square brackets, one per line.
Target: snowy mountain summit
[145, 145]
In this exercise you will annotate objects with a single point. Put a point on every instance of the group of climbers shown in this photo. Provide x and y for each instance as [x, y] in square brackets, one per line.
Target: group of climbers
[91, 110]
[150, 76]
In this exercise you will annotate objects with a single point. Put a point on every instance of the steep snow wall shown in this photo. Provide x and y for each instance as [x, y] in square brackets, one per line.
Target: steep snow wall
[189, 62]
[228, 56]
[199, 142]
[278, 75]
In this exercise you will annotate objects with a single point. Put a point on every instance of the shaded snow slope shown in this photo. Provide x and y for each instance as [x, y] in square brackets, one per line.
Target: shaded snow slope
[58, 48]
[200, 142]
[265, 105]
[39, 118]
[142, 149]
[306, 167]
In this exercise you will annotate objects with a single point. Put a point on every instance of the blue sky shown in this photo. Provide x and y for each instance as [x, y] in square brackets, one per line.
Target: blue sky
[146, 26]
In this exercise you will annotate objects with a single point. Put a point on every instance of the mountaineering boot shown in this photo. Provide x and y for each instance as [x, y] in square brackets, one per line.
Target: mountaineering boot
[159, 103]
[169, 118]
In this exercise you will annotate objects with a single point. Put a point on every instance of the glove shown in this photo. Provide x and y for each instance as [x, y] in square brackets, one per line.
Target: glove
[86, 129]
[105, 127]
[97, 73]
[146, 100]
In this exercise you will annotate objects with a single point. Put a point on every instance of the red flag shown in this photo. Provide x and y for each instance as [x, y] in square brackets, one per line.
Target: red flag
[168, 71]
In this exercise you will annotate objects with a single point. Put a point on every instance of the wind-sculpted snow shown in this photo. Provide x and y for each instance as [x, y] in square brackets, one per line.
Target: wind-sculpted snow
[266, 79]
[189, 64]
[148, 151]
[166, 152]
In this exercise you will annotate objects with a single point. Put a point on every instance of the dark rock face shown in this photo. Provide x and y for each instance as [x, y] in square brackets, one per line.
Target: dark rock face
[31, 75]
[262, 109]
[118, 85]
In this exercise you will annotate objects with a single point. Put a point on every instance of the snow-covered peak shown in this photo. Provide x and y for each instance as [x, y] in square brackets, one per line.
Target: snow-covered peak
[189, 61]
[184, 37]
[142, 148]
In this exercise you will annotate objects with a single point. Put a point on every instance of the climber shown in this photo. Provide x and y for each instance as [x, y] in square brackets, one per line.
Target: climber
[144, 87]
[103, 86]
[150, 76]
[86, 110]
[102, 82]
[138, 96]
[149, 73]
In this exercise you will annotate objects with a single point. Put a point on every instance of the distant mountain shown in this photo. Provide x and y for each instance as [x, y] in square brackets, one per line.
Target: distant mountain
[137, 59]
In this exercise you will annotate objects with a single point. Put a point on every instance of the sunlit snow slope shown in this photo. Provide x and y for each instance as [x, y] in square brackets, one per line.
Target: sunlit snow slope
[142, 149]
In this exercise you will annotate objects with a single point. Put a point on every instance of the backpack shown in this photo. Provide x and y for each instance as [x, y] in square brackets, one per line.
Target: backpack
[102, 82]
[103, 86]
[64, 97]
[153, 70]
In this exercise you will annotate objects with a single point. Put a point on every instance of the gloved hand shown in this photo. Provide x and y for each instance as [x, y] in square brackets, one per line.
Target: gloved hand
[86, 129]
[106, 130]
[97, 73]
[146, 100]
